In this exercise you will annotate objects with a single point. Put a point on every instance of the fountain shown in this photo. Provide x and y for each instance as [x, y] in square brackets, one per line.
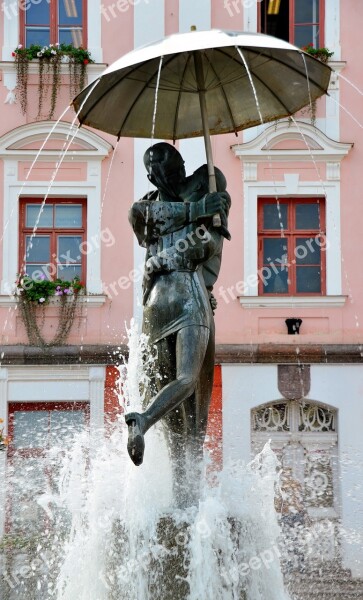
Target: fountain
[164, 530]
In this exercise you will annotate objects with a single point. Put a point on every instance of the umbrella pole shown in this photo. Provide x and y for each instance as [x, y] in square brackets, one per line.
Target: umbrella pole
[199, 72]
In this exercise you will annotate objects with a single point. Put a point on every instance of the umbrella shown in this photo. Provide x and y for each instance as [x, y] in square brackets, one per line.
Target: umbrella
[207, 83]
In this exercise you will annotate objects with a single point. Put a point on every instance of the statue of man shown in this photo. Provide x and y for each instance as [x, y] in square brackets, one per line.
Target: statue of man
[175, 224]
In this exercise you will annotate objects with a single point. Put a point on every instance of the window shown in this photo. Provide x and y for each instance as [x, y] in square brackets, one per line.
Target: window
[35, 428]
[56, 248]
[297, 21]
[291, 246]
[52, 21]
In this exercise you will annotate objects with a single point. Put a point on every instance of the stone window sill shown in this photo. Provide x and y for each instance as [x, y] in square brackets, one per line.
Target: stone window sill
[89, 300]
[293, 301]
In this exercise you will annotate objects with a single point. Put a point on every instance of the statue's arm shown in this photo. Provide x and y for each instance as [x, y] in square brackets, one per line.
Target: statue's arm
[150, 219]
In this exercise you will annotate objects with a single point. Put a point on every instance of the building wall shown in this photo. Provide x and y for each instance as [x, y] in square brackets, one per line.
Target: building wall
[117, 178]
[141, 24]
[246, 387]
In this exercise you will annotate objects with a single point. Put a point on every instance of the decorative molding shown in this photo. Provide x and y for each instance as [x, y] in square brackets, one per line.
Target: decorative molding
[286, 353]
[333, 171]
[292, 301]
[250, 171]
[92, 145]
[321, 147]
[91, 301]
[97, 377]
[294, 381]
[8, 68]
[34, 373]
[337, 67]
[34, 356]
[292, 183]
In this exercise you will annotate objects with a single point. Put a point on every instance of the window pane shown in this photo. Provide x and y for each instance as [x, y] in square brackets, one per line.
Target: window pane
[38, 250]
[307, 252]
[276, 283]
[69, 273]
[30, 429]
[308, 279]
[306, 11]
[70, 12]
[71, 36]
[37, 13]
[275, 216]
[68, 249]
[32, 212]
[38, 272]
[308, 216]
[29, 484]
[39, 37]
[64, 425]
[306, 34]
[68, 216]
[274, 250]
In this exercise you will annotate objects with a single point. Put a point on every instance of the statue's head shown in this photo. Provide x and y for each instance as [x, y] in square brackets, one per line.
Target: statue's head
[165, 166]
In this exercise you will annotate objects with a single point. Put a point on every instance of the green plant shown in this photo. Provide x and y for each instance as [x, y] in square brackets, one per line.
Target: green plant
[35, 294]
[322, 54]
[50, 59]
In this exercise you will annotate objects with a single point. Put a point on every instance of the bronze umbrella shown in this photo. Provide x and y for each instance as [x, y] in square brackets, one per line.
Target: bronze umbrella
[208, 84]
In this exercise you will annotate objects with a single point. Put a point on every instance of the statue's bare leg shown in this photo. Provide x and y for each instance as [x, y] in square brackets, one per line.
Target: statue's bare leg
[185, 429]
[191, 345]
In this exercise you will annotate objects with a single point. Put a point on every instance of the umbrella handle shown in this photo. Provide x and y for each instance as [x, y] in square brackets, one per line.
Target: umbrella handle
[217, 222]
[199, 73]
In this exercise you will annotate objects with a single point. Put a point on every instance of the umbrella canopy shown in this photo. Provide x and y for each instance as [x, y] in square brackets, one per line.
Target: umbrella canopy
[123, 102]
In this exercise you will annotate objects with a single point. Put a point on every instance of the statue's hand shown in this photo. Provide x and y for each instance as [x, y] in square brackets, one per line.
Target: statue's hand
[213, 302]
[211, 204]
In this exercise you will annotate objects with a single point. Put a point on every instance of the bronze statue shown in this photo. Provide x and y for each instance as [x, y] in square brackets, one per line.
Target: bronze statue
[184, 248]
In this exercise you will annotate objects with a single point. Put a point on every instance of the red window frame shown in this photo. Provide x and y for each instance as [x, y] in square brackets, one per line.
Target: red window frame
[54, 25]
[292, 23]
[291, 234]
[35, 452]
[320, 23]
[52, 231]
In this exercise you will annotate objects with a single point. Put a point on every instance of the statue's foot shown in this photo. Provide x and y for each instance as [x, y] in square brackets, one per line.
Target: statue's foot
[136, 443]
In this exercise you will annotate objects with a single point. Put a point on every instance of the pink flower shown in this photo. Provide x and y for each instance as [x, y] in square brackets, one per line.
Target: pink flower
[41, 300]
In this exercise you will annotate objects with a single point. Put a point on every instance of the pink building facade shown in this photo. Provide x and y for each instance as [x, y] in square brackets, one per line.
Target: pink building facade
[302, 391]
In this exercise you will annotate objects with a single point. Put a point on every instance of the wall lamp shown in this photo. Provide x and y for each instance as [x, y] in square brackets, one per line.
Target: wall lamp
[293, 326]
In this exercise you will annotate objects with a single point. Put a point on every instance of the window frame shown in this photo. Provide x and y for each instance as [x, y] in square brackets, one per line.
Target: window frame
[291, 234]
[31, 406]
[292, 23]
[13, 407]
[54, 25]
[321, 23]
[53, 232]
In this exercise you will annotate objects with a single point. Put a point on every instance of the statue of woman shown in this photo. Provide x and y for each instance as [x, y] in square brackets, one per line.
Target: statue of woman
[183, 259]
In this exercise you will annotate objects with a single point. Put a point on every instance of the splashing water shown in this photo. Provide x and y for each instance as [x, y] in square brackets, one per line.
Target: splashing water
[71, 136]
[153, 123]
[112, 531]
